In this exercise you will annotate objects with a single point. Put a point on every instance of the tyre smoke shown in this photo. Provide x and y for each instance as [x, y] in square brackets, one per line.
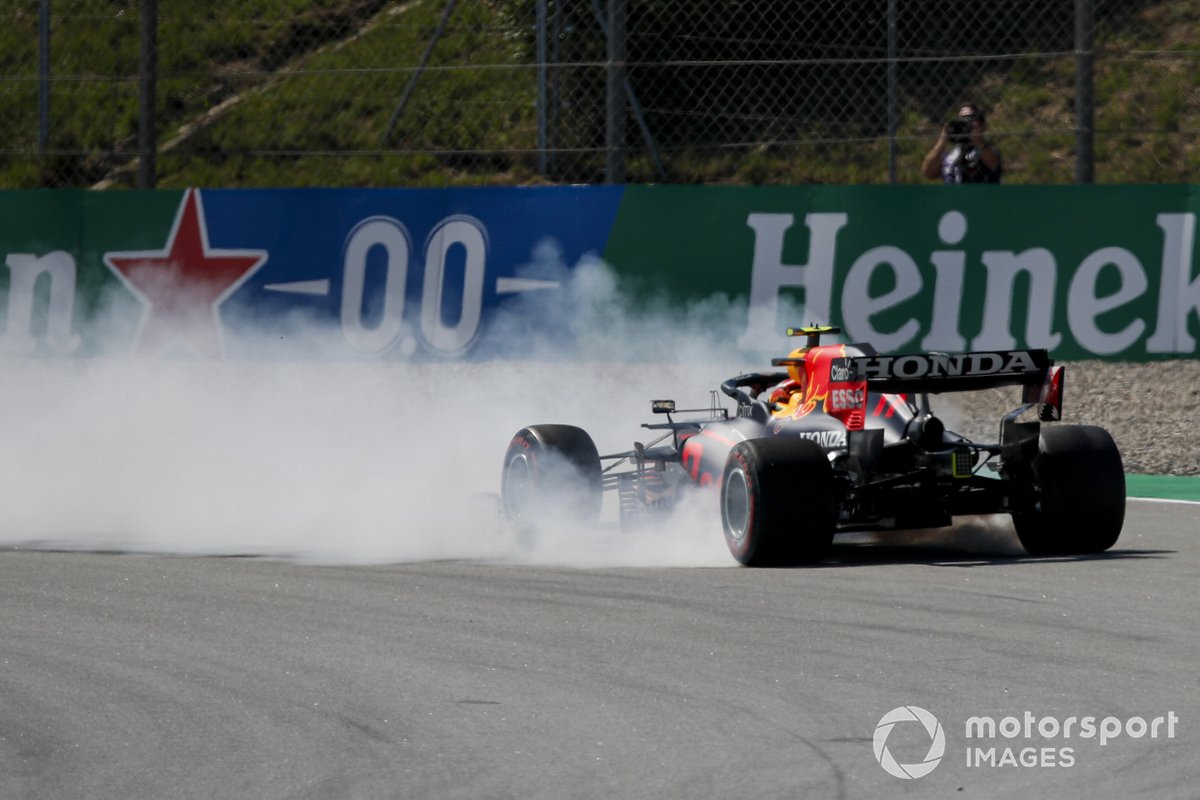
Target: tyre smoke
[311, 458]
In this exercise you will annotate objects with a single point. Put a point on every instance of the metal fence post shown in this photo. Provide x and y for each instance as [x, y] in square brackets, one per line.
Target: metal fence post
[555, 90]
[542, 89]
[1085, 106]
[43, 76]
[615, 94]
[147, 83]
[891, 89]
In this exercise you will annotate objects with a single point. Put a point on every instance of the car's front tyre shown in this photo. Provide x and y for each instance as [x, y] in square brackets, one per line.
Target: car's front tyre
[551, 474]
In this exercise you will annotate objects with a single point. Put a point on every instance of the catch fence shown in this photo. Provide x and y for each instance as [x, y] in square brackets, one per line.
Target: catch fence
[103, 93]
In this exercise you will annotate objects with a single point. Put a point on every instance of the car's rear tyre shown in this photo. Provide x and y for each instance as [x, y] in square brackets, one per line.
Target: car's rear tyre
[551, 474]
[777, 502]
[1080, 493]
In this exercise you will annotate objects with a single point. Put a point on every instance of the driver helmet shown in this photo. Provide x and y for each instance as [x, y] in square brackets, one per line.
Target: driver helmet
[797, 379]
[796, 371]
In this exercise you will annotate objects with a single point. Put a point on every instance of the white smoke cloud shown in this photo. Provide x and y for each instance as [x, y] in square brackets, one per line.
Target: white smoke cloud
[333, 460]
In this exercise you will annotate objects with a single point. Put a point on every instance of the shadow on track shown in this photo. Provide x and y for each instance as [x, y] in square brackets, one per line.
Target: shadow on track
[971, 542]
[866, 555]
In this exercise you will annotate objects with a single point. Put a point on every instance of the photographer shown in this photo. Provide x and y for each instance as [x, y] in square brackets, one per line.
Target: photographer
[962, 154]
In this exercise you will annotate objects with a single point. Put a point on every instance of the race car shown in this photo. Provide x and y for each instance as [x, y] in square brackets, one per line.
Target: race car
[842, 439]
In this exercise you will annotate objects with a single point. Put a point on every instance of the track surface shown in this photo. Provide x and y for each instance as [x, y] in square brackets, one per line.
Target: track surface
[147, 676]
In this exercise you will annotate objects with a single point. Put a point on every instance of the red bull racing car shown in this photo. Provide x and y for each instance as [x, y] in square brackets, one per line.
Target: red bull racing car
[842, 439]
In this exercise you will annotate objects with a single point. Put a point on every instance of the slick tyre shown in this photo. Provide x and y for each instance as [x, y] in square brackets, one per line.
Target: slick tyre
[777, 502]
[551, 475]
[1080, 494]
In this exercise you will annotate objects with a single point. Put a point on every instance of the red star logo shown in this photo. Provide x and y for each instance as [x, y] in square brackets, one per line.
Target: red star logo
[183, 286]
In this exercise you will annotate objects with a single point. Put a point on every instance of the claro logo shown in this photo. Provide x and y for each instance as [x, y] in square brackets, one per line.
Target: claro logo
[937, 742]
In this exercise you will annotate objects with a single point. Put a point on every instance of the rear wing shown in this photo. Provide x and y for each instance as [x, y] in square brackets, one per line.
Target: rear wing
[933, 373]
[943, 372]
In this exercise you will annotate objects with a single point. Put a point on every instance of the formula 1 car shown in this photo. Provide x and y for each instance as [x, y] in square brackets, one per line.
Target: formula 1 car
[841, 440]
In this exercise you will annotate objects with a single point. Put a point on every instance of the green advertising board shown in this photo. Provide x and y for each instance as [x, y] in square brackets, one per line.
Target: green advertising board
[1084, 271]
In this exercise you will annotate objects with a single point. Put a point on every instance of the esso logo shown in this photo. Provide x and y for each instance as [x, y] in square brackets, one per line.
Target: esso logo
[844, 399]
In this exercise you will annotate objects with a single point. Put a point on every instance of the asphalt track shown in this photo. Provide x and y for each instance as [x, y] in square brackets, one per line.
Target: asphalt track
[149, 676]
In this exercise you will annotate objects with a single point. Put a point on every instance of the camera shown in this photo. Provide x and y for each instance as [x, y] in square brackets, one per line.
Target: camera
[959, 129]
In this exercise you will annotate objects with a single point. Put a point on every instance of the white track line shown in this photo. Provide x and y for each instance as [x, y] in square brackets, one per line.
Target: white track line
[1165, 500]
